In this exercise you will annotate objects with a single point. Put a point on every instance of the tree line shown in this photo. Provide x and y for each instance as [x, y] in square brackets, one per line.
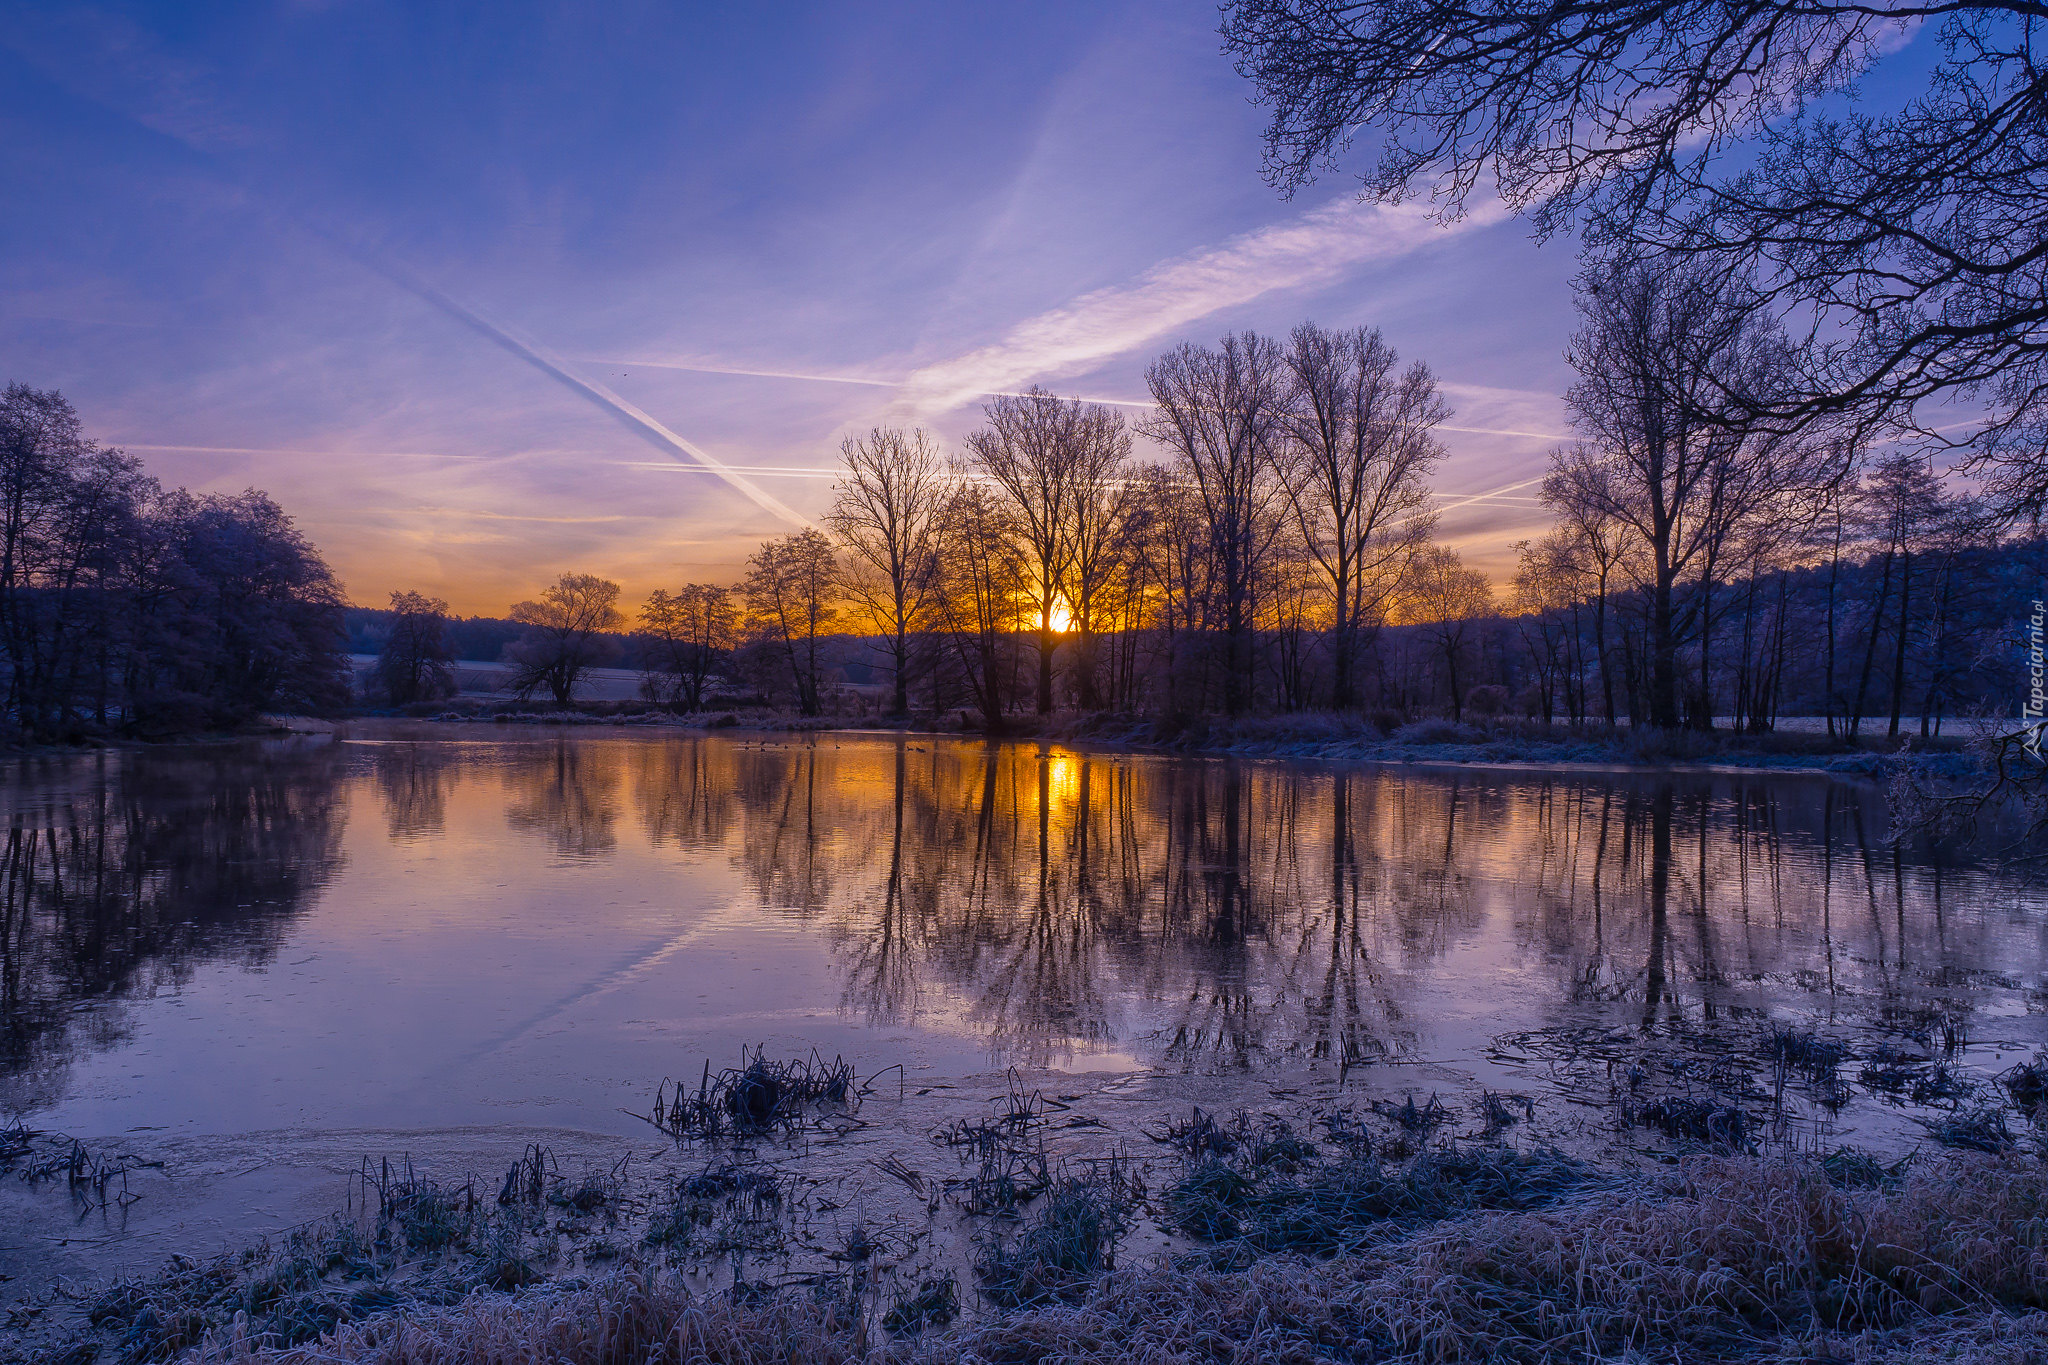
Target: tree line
[1767, 269]
[1262, 539]
[1047, 564]
[126, 607]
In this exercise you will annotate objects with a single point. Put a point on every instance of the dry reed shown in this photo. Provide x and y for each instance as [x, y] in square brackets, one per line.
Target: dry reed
[1724, 1258]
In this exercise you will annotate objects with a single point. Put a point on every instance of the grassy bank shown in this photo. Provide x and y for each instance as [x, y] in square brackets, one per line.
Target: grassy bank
[1413, 1232]
[1314, 735]
[1747, 1258]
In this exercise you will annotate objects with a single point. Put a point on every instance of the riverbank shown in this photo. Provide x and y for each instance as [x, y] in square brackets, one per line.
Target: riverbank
[1314, 1243]
[1324, 737]
[1730, 1260]
[1704, 1216]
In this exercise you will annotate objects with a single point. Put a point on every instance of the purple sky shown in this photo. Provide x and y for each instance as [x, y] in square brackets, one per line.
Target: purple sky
[480, 299]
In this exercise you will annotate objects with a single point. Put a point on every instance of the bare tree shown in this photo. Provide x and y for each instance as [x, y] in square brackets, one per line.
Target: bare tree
[984, 575]
[254, 615]
[790, 588]
[567, 635]
[1173, 541]
[1449, 605]
[69, 511]
[886, 515]
[1669, 358]
[416, 663]
[1903, 506]
[1356, 473]
[692, 633]
[1909, 238]
[1580, 490]
[1222, 413]
[1548, 578]
[1098, 509]
[1030, 449]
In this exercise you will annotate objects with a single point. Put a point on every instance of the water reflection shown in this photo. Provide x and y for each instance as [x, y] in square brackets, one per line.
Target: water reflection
[1260, 909]
[122, 873]
[415, 781]
[567, 792]
[1215, 914]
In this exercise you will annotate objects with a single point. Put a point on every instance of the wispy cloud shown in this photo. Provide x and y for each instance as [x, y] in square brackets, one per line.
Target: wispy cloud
[318, 454]
[801, 376]
[1504, 431]
[706, 367]
[1314, 249]
[1494, 411]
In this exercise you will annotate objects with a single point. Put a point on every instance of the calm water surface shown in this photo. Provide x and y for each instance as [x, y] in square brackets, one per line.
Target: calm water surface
[419, 928]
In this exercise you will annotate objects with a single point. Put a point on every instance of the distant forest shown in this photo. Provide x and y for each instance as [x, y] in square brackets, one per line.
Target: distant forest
[1821, 639]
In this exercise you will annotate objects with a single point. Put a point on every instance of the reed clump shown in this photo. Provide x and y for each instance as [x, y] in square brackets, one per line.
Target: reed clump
[1720, 1258]
[1070, 1240]
[760, 1097]
[1265, 1202]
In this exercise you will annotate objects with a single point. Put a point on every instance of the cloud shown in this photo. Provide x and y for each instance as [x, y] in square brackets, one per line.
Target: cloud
[316, 454]
[1314, 249]
[706, 367]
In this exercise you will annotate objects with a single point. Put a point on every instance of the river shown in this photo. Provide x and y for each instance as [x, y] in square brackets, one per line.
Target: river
[258, 961]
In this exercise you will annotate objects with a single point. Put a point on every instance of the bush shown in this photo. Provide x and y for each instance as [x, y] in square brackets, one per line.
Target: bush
[1487, 699]
[1437, 730]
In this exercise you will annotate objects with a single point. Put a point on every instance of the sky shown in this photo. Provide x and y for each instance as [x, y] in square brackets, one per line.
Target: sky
[486, 293]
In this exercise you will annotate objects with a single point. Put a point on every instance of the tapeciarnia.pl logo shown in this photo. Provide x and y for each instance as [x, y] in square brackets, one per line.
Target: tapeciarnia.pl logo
[2036, 712]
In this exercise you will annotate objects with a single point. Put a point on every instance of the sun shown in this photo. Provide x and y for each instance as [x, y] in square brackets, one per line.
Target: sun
[1062, 619]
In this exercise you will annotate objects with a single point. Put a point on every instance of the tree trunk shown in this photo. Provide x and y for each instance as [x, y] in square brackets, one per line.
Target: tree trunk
[1706, 705]
[1663, 657]
[902, 697]
[1600, 649]
[1047, 643]
[1834, 571]
[1884, 592]
[1899, 653]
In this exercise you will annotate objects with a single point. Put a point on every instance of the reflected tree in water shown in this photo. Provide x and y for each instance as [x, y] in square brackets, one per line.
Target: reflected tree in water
[685, 793]
[121, 875]
[1214, 914]
[567, 792]
[415, 781]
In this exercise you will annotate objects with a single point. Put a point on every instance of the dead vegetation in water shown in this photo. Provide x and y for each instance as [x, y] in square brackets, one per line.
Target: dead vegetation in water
[95, 1179]
[2026, 1084]
[760, 1098]
[726, 1210]
[1771, 1259]
[1007, 1151]
[1690, 1119]
[1070, 1239]
[1736, 1087]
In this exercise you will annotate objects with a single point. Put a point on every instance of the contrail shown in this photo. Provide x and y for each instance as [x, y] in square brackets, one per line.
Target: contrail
[1504, 431]
[634, 417]
[866, 382]
[1468, 499]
